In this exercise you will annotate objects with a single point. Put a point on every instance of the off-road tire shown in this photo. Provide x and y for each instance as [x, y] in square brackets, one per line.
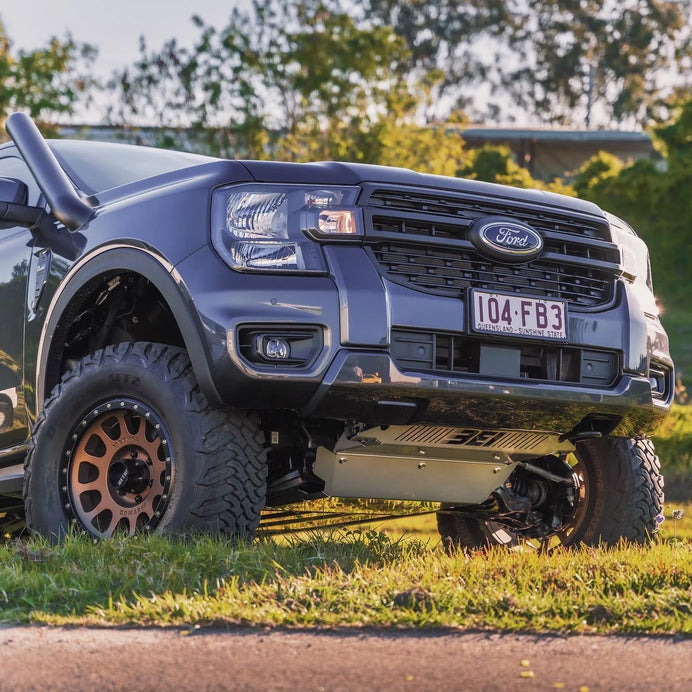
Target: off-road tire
[623, 499]
[216, 468]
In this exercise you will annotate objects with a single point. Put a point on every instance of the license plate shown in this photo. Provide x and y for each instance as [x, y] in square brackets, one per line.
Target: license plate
[496, 313]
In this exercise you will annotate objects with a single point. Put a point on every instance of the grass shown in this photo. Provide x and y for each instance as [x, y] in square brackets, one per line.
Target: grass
[365, 577]
[673, 442]
[677, 320]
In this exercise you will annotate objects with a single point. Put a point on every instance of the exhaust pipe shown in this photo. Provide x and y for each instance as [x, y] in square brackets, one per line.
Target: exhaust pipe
[66, 205]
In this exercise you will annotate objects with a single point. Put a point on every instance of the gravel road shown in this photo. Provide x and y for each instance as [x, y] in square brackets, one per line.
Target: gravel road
[42, 658]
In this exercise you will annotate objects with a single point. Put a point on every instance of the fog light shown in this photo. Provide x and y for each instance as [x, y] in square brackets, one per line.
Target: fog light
[275, 348]
[285, 346]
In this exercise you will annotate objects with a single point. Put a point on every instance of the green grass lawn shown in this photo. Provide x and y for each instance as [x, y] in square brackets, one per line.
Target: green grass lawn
[396, 577]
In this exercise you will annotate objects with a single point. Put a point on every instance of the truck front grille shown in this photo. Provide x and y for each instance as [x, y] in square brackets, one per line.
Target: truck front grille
[419, 238]
[448, 271]
[458, 354]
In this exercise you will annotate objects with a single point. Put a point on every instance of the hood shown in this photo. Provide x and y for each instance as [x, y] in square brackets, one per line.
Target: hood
[339, 173]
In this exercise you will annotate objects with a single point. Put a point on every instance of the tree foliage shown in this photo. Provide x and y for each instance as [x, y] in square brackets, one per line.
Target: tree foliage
[655, 198]
[495, 164]
[287, 77]
[601, 60]
[43, 82]
[570, 62]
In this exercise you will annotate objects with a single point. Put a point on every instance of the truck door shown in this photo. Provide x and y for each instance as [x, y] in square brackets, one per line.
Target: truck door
[15, 255]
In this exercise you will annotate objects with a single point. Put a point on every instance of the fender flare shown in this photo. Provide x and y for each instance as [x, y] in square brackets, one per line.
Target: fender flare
[162, 274]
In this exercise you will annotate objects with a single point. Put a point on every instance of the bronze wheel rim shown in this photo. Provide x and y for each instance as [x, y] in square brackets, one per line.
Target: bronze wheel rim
[117, 469]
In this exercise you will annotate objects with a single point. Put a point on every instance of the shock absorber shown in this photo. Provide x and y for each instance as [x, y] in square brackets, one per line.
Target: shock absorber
[529, 486]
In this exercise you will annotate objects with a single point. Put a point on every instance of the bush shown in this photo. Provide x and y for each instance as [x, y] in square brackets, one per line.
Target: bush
[673, 443]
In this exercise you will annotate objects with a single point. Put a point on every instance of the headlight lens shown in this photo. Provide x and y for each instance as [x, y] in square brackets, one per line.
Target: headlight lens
[635, 263]
[261, 227]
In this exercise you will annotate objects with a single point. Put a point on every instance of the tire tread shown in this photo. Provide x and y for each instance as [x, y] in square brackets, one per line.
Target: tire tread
[230, 481]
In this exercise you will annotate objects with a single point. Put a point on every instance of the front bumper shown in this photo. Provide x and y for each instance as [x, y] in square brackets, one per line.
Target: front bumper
[357, 311]
[393, 397]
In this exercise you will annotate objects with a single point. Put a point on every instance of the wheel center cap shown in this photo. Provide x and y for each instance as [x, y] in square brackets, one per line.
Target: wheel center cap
[123, 478]
[130, 475]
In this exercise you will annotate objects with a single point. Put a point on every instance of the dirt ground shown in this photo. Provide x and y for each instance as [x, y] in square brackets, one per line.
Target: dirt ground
[42, 658]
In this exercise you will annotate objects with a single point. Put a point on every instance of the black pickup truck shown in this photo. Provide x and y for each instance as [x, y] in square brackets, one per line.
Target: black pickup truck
[186, 340]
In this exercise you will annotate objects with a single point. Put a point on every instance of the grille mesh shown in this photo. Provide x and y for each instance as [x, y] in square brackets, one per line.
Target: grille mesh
[451, 270]
[419, 238]
[466, 207]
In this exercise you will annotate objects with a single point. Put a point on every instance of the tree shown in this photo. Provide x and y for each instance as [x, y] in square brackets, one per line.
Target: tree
[570, 62]
[288, 77]
[655, 198]
[605, 61]
[494, 164]
[43, 82]
[460, 38]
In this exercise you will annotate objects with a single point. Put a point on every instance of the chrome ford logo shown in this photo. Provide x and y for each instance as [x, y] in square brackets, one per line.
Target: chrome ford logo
[505, 239]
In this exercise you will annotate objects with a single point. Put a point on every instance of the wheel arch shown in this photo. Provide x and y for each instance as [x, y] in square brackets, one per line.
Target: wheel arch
[84, 276]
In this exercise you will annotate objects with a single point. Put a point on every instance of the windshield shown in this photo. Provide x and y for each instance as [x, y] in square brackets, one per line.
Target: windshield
[99, 166]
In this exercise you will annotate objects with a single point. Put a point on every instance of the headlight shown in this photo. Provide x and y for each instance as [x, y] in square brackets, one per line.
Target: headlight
[635, 263]
[262, 227]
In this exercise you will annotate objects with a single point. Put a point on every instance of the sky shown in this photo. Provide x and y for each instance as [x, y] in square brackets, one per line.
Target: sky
[114, 26]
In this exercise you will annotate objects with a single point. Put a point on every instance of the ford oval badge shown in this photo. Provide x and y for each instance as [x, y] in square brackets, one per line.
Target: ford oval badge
[505, 239]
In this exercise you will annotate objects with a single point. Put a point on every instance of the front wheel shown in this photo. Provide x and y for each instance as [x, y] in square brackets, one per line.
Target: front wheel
[127, 443]
[620, 496]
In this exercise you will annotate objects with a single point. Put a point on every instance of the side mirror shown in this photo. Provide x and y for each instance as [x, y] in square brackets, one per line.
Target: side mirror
[13, 191]
[13, 208]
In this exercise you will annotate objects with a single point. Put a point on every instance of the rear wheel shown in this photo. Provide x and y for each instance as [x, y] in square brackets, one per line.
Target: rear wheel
[619, 496]
[127, 443]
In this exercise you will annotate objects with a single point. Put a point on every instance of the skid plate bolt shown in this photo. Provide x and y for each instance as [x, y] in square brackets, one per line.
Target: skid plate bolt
[421, 452]
[497, 469]
[342, 460]
[421, 465]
